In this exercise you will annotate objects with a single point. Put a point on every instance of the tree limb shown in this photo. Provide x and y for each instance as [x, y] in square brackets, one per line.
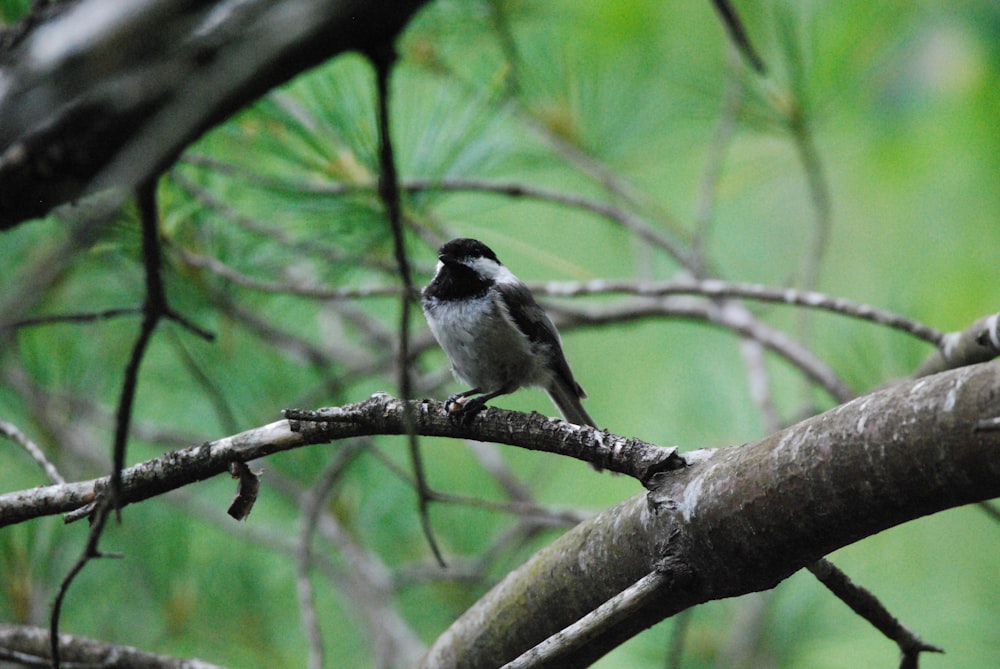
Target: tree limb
[380, 414]
[29, 646]
[742, 519]
[109, 92]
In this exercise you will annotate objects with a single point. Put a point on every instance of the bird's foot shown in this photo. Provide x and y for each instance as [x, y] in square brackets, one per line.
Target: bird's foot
[463, 408]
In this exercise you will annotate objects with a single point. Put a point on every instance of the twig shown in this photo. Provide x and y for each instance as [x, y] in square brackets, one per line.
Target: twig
[579, 633]
[728, 289]
[12, 432]
[90, 552]
[216, 266]
[631, 222]
[78, 317]
[388, 189]
[312, 505]
[154, 308]
[866, 605]
[724, 316]
[733, 25]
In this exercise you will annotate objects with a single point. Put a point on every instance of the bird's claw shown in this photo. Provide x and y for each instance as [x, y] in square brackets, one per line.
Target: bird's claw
[463, 409]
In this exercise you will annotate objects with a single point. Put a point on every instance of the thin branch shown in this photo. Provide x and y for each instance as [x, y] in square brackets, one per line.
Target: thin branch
[79, 317]
[731, 21]
[312, 506]
[12, 432]
[580, 633]
[388, 189]
[90, 552]
[631, 222]
[866, 605]
[217, 267]
[724, 316]
[153, 309]
[718, 288]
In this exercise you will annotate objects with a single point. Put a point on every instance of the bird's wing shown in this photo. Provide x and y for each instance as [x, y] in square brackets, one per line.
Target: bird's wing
[536, 325]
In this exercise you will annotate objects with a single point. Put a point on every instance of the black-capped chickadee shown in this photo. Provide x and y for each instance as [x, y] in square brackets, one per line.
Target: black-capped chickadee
[497, 337]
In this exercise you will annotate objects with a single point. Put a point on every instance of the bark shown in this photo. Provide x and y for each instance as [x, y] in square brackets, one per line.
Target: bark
[108, 92]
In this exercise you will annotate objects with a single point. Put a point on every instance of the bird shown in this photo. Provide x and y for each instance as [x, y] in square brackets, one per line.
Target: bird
[496, 336]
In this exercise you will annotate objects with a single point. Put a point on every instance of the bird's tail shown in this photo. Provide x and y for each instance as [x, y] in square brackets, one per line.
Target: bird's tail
[567, 400]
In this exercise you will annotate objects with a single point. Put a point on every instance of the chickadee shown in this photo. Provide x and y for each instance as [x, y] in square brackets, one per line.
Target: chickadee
[497, 337]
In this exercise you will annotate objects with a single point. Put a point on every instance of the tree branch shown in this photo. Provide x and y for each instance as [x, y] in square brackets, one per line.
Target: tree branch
[29, 646]
[742, 519]
[109, 92]
[380, 414]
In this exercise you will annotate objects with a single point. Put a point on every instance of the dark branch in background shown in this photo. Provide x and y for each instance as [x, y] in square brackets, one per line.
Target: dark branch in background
[74, 318]
[90, 552]
[733, 25]
[153, 309]
[383, 57]
[866, 605]
[157, 75]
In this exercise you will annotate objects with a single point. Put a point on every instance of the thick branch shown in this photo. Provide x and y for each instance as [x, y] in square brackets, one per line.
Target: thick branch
[109, 92]
[742, 519]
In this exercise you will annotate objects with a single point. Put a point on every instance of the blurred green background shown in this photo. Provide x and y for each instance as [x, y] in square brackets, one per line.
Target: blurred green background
[896, 108]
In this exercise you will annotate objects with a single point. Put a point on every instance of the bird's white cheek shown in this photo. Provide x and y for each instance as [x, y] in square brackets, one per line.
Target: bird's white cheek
[504, 275]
